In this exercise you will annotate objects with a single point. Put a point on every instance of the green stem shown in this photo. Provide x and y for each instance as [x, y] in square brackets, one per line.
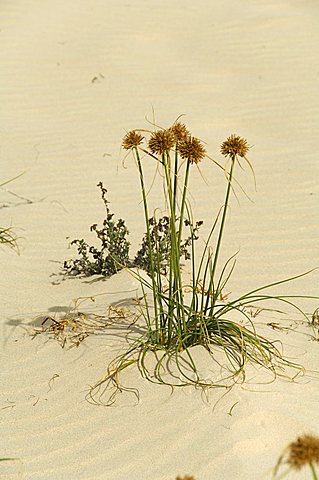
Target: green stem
[178, 254]
[313, 471]
[170, 314]
[175, 179]
[224, 216]
[175, 282]
[153, 273]
[220, 234]
[183, 204]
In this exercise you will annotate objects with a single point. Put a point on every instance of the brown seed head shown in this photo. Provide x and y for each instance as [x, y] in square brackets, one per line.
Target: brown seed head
[186, 477]
[161, 142]
[132, 139]
[191, 149]
[304, 451]
[234, 145]
[179, 131]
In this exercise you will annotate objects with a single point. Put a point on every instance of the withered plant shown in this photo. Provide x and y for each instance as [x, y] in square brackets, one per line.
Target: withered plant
[70, 328]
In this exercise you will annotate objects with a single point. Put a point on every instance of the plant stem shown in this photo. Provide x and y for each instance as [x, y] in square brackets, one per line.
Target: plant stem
[183, 203]
[222, 224]
[175, 282]
[153, 273]
[175, 177]
[313, 471]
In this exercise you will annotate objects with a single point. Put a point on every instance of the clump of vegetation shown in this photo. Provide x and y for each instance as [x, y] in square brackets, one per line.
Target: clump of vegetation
[161, 246]
[7, 234]
[303, 452]
[113, 253]
[8, 238]
[175, 322]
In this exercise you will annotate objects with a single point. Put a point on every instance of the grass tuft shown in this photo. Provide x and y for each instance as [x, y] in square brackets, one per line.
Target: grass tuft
[7, 234]
[8, 238]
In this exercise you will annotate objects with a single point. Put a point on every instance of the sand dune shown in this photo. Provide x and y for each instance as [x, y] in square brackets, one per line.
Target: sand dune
[75, 77]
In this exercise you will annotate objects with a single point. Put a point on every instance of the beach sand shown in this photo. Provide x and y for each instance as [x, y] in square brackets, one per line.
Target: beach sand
[76, 76]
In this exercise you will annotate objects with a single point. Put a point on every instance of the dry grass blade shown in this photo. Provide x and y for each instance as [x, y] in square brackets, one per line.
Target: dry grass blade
[8, 238]
[71, 328]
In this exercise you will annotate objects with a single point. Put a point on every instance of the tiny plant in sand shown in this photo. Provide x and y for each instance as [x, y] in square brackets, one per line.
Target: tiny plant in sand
[7, 235]
[304, 452]
[181, 314]
[113, 254]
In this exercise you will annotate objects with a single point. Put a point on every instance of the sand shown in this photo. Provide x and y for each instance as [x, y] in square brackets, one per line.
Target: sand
[75, 77]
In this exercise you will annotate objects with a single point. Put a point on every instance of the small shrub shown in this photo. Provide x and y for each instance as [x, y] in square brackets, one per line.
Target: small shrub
[160, 238]
[113, 253]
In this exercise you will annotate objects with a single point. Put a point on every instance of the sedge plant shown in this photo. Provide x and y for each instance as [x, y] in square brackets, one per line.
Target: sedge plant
[303, 452]
[179, 314]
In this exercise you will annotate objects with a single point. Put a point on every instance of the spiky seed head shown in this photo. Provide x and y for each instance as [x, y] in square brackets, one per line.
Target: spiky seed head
[179, 131]
[186, 477]
[234, 145]
[161, 142]
[191, 149]
[132, 139]
[304, 451]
